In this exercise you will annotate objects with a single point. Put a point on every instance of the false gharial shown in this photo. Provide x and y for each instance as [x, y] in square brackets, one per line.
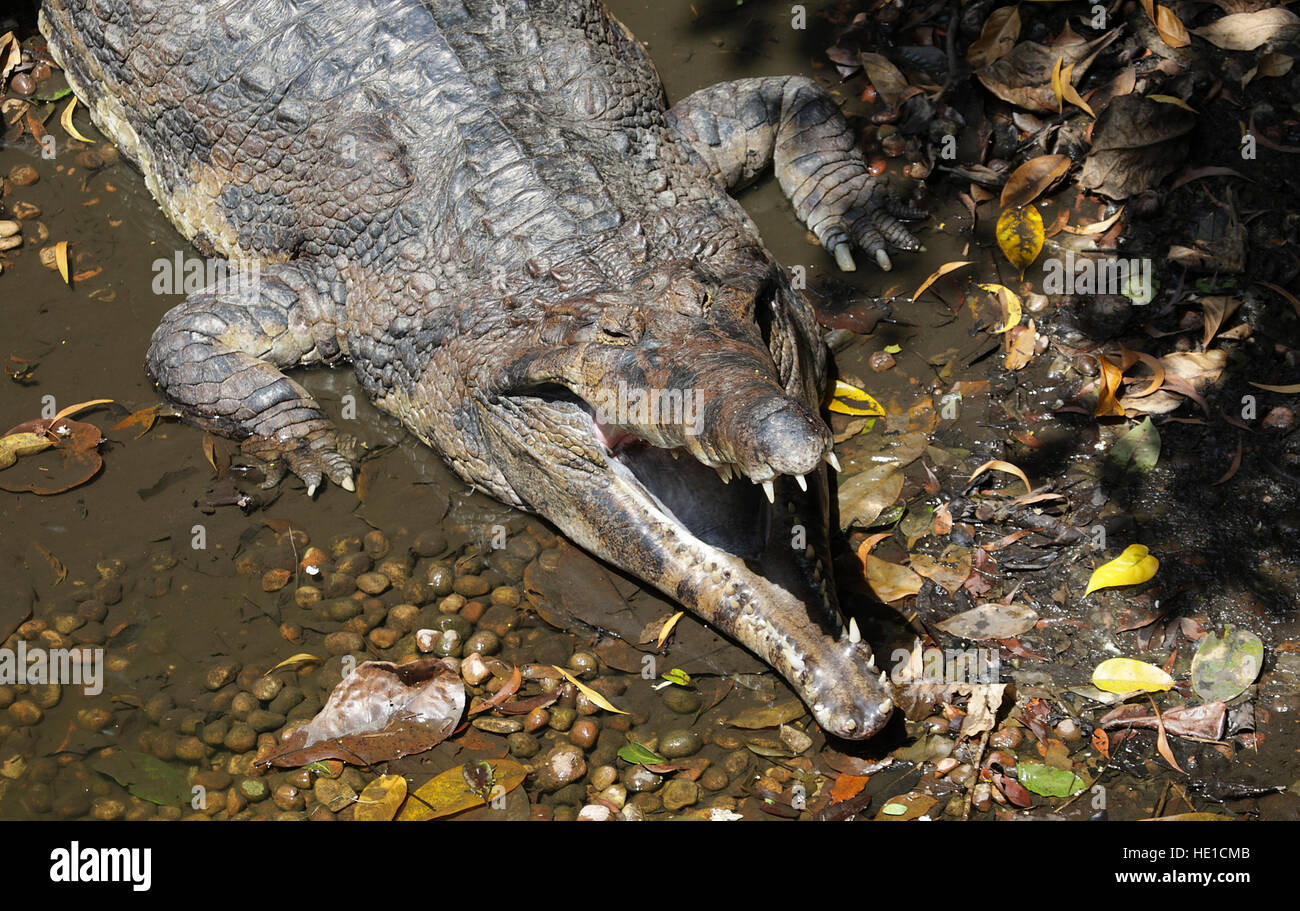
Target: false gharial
[530, 259]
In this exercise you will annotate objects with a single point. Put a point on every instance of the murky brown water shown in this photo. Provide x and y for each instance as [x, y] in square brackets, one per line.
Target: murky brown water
[173, 589]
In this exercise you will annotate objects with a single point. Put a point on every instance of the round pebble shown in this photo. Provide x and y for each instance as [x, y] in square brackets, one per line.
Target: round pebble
[680, 743]
[584, 734]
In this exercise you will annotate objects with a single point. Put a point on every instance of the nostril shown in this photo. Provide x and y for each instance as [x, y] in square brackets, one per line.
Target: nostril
[793, 439]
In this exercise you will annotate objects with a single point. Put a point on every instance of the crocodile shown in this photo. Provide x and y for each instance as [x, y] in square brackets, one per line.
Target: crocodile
[530, 259]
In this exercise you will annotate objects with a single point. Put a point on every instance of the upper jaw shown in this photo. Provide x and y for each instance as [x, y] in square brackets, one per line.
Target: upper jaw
[747, 582]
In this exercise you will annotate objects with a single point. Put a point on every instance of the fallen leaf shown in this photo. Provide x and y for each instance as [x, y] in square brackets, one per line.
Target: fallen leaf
[1247, 31]
[991, 620]
[1127, 675]
[65, 119]
[378, 712]
[450, 792]
[1020, 236]
[1133, 567]
[1171, 30]
[938, 274]
[1011, 307]
[1028, 181]
[1224, 666]
[61, 258]
[1047, 781]
[865, 495]
[146, 777]
[997, 37]
[1138, 449]
[843, 390]
[380, 800]
[767, 716]
[595, 697]
[1006, 467]
[668, 628]
[890, 581]
[15, 445]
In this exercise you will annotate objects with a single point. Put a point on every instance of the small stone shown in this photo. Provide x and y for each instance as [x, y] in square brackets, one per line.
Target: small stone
[429, 543]
[287, 797]
[584, 734]
[583, 663]
[255, 789]
[523, 745]
[881, 361]
[426, 639]
[474, 670]
[107, 809]
[344, 643]
[680, 793]
[594, 812]
[440, 578]
[25, 713]
[483, 641]
[497, 725]
[615, 794]
[264, 689]
[375, 543]
[561, 766]
[536, 719]
[71, 804]
[681, 700]
[23, 175]
[794, 739]
[471, 586]
[403, 617]
[373, 583]
[506, 595]
[221, 674]
[1006, 738]
[241, 738]
[191, 749]
[263, 721]
[680, 743]
[562, 718]
[604, 776]
[713, 779]
[384, 638]
[638, 778]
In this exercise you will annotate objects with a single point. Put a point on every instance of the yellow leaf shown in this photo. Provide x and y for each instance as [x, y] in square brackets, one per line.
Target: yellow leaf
[380, 800]
[1071, 94]
[66, 119]
[999, 465]
[844, 390]
[450, 793]
[1020, 235]
[1125, 675]
[938, 274]
[1021, 344]
[1011, 309]
[668, 629]
[1292, 389]
[21, 444]
[1176, 102]
[1134, 566]
[890, 581]
[590, 693]
[61, 259]
[80, 406]
[1110, 377]
[1056, 85]
[293, 662]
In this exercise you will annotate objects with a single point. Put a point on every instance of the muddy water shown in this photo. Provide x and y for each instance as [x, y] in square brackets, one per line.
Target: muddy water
[188, 599]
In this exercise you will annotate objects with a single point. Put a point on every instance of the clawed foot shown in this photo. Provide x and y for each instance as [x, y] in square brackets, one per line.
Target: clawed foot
[872, 223]
[312, 458]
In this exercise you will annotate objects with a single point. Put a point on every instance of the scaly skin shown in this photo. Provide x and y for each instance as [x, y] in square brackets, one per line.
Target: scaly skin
[489, 210]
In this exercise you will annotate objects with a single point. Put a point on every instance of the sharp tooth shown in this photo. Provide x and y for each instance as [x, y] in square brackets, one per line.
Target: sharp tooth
[854, 635]
[673, 453]
[833, 462]
[884, 679]
[770, 491]
[724, 471]
[803, 485]
[311, 491]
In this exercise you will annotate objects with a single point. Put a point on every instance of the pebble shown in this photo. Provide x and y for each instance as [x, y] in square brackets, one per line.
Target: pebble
[264, 689]
[522, 745]
[562, 718]
[344, 642]
[25, 713]
[471, 586]
[376, 544]
[220, 674]
[680, 743]
[794, 739]
[680, 793]
[583, 664]
[603, 776]
[355, 564]
[287, 797]
[638, 778]
[47, 695]
[264, 721]
[191, 749]
[584, 734]
[403, 617]
[473, 669]
[506, 596]
[429, 543]
[23, 175]
[384, 638]
[107, 809]
[536, 719]
[483, 641]
[240, 738]
[1006, 738]
[426, 639]
[496, 725]
[615, 794]
[594, 812]
[561, 766]
[373, 583]
[681, 700]
[713, 779]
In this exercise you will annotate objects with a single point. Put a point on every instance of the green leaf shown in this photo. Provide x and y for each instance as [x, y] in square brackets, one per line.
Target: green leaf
[678, 676]
[1138, 450]
[1225, 665]
[893, 349]
[1047, 781]
[147, 777]
[637, 754]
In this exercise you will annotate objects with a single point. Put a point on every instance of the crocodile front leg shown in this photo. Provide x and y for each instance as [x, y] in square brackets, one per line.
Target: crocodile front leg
[219, 355]
[739, 128]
